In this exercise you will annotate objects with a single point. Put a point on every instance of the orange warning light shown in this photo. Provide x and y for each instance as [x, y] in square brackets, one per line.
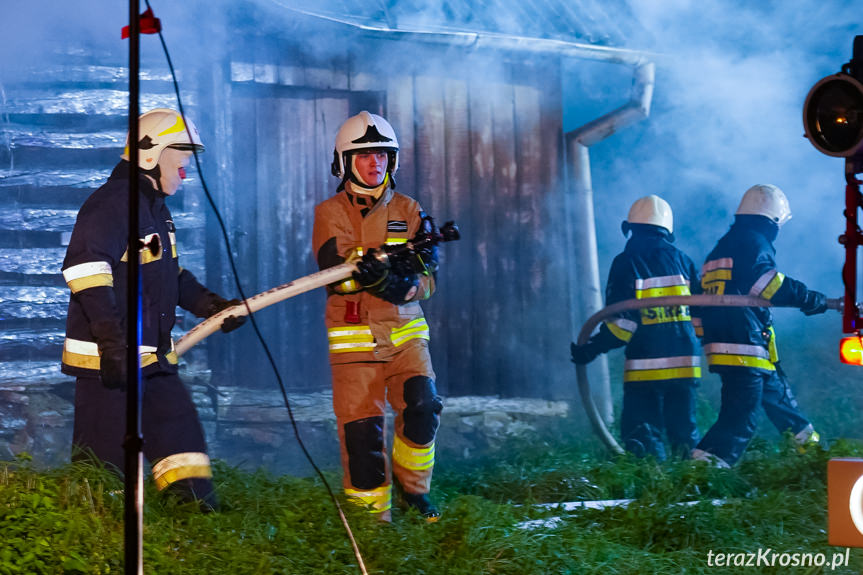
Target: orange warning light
[851, 350]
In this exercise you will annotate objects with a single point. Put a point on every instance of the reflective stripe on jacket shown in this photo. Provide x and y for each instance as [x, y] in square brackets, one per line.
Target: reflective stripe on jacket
[380, 328]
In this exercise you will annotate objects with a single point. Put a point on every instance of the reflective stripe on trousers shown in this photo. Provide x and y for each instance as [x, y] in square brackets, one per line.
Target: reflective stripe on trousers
[738, 355]
[656, 369]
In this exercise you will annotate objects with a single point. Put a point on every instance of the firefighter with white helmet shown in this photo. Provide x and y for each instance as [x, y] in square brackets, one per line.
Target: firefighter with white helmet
[94, 350]
[662, 367]
[378, 335]
[740, 342]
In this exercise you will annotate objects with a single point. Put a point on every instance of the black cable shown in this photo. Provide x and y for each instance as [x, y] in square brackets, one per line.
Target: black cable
[237, 282]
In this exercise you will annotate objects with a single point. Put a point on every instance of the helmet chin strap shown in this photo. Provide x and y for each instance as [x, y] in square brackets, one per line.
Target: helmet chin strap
[155, 175]
[376, 192]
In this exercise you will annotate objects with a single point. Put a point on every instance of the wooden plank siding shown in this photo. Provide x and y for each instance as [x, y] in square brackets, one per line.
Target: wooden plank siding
[486, 153]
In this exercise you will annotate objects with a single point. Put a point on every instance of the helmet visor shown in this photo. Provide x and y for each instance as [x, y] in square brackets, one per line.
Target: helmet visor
[187, 147]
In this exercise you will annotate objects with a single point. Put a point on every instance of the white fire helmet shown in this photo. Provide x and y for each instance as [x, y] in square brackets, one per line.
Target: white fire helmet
[365, 131]
[765, 200]
[651, 210]
[159, 129]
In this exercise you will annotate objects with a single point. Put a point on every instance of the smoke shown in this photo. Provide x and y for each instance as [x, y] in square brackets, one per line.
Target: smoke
[731, 80]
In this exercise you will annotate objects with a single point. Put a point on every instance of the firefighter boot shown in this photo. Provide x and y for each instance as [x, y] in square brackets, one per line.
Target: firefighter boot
[422, 503]
[712, 460]
[807, 438]
[194, 490]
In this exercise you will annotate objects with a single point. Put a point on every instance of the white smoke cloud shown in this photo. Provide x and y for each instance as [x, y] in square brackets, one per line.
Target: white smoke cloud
[731, 80]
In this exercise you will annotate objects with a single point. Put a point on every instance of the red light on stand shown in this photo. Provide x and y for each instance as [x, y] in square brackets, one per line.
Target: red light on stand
[851, 350]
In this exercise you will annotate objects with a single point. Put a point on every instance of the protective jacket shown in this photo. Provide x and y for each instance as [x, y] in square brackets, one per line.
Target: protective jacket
[742, 263]
[661, 342]
[361, 326]
[95, 271]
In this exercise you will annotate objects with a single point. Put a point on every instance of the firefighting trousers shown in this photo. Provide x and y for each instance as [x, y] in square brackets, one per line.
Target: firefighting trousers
[649, 408]
[173, 438]
[743, 390]
[360, 391]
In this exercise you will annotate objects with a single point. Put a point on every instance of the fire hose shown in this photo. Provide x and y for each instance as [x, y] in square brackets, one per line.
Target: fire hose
[386, 255]
[700, 300]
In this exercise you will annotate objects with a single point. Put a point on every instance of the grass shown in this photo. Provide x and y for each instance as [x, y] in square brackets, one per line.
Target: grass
[69, 519]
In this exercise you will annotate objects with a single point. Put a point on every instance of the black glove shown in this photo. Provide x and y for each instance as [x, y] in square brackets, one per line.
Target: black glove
[371, 272]
[584, 353]
[112, 368]
[428, 254]
[231, 322]
[816, 302]
[398, 289]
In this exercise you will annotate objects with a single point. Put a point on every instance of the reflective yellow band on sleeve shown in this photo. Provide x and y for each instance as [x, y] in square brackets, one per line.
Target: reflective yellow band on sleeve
[417, 328]
[87, 275]
[375, 500]
[151, 358]
[767, 285]
[396, 241]
[413, 458]
[351, 339]
[101, 280]
[191, 464]
[83, 354]
[621, 328]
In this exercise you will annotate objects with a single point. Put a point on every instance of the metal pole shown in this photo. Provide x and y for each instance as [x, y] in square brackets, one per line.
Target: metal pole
[134, 477]
[587, 298]
[581, 219]
[851, 239]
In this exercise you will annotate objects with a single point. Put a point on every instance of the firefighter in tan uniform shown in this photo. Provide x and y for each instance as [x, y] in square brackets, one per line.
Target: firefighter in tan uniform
[378, 336]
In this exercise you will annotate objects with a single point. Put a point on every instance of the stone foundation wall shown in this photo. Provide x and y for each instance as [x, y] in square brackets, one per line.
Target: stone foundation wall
[251, 428]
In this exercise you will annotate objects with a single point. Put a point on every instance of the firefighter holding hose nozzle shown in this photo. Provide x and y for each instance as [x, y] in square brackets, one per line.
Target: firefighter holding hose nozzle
[378, 335]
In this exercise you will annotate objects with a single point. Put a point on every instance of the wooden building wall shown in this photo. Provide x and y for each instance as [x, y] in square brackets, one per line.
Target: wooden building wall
[481, 143]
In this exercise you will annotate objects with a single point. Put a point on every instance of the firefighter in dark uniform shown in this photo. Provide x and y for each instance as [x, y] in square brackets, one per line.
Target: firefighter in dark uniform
[740, 342]
[94, 350]
[378, 336]
[663, 354]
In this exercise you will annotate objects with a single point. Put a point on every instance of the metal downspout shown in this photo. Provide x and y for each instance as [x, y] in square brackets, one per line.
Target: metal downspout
[586, 298]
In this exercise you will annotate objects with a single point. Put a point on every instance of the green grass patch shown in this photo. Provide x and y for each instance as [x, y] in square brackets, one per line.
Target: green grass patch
[69, 519]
